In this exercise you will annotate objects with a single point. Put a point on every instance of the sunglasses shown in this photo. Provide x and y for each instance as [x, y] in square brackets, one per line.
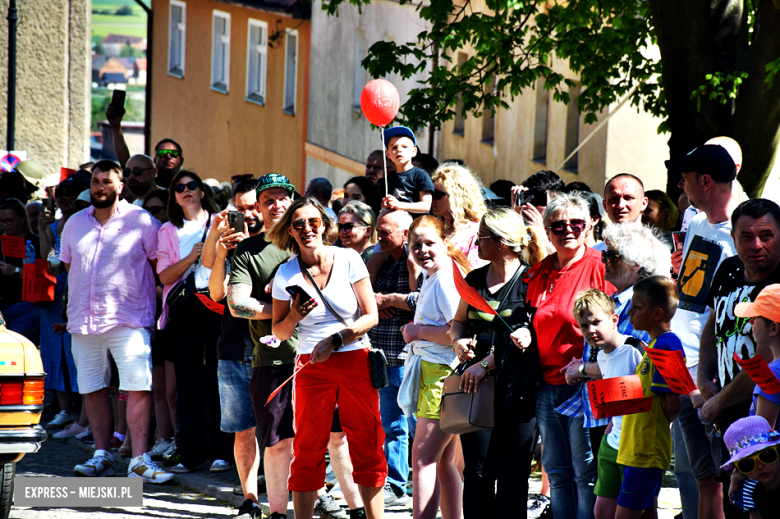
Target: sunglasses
[438, 194]
[347, 227]
[156, 209]
[300, 224]
[191, 186]
[558, 228]
[62, 193]
[485, 237]
[175, 154]
[135, 172]
[609, 256]
[766, 457]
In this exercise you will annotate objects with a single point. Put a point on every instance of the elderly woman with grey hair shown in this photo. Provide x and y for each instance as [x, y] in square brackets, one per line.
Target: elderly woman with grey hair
[553, 285]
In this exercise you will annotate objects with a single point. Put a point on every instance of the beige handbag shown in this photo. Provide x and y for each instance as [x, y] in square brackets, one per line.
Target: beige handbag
[463, 412]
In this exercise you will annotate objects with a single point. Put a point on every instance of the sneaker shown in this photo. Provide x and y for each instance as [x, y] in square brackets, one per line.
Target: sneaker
[70, 431]
[537, 504]
[327, 507]
[394, 499]
[160, 446]
[87, 432]
[180, 469]
[172, 455]
[101, 464]
[116, 443]
[358, 513]
[60, 420]
[143, 467]
[87, 438]
[250, 510]
[220, 466]
[277, 515]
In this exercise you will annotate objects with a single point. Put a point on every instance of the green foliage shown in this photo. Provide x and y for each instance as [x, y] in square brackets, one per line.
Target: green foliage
[134, 105]
[719, 87]
[99, 48]
[125, 10]
[771, 69]
[127, 51]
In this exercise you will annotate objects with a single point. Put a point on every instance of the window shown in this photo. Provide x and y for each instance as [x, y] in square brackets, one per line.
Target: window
[359, 81]
[459, 124]
[220, 51]
[290, 70]
[256, 60]
[540, 124]
[488, 117]
[176, 39]
[572, 128]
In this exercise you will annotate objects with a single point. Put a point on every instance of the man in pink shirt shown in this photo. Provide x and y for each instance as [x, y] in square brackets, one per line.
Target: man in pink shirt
[109, 251]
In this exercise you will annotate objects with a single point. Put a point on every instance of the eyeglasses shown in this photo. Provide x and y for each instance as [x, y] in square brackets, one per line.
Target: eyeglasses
[558, 228]
[156, 209]
[610, 256]
[238, 178]
[485, 237]
[65, 192]
[7, 221]
[300, 224]
[766, 456]
[438, 194]
[347, 227]
[136, 172]
[174, 154]
[190, 186]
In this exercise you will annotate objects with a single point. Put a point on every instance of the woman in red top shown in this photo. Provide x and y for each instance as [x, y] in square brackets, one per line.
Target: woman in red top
[553, 284]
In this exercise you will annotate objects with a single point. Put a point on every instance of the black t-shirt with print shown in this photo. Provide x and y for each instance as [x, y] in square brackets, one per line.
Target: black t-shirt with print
[732, 333]
[406, 186]
[518, 372]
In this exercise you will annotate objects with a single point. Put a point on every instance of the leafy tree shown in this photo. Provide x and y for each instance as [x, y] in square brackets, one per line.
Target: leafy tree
[125, 10]
[715, 75]
[99, 48]
[127, 51]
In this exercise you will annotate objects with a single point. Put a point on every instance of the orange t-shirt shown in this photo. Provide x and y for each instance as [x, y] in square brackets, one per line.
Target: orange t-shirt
[557, 332]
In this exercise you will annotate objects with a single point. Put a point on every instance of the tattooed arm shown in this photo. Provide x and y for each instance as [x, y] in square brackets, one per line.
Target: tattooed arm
[244, 306]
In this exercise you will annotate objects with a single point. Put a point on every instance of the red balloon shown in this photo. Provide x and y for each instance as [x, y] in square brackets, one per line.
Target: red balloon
[380, 101]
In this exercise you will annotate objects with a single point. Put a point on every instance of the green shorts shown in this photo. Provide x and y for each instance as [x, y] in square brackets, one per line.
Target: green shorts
[610, 473]
[432, 377]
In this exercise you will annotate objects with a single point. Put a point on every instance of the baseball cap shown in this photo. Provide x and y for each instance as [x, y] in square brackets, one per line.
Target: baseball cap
[84, 196]
[709, 159]
[274, 180]
[80, 180]
[395, 131]
[767, 304]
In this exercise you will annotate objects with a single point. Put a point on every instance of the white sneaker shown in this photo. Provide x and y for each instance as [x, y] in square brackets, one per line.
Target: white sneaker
[220, 466]
[101, 464]
[85, 433]
[171, 448]
[60, 420]
[70, 431]
[143, 467]
[160, 446]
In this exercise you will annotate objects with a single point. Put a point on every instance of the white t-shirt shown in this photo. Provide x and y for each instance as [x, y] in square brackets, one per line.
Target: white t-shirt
[706, 245]
[348, 268]
[622, 362]
[189, 234]
[436, 306]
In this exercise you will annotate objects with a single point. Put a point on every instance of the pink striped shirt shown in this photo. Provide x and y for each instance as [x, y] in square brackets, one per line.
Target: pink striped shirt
[110, 282]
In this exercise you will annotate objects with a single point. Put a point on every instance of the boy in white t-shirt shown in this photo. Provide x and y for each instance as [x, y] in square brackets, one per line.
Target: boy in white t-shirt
[595, 313]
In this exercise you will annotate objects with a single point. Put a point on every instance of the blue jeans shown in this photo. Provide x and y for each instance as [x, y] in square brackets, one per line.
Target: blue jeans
[689, 489]
[397, 428]
[566, 455]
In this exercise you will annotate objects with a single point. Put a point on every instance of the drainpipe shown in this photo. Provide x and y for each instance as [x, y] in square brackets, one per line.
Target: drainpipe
[13, 19]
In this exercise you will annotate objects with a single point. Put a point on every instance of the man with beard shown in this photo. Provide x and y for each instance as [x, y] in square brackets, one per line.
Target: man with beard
[375, 169]
[109, 251]
[139, 175]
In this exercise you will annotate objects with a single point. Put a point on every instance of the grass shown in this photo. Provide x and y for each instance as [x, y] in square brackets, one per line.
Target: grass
[105, 24]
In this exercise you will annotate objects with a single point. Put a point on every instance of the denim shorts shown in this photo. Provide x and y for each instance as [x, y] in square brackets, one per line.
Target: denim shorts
[234, 398]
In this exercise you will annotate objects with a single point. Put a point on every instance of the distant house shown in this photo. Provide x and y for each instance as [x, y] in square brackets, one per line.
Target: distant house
[98, 61]
[129, 64]
[113, 81]
[113, 43]
[139, 71]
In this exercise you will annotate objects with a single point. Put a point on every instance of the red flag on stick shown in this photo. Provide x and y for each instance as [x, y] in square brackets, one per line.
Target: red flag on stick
[469, 293]
[285, 383]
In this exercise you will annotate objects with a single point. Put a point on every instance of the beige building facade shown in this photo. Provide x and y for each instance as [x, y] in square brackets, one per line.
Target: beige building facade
[52, 81]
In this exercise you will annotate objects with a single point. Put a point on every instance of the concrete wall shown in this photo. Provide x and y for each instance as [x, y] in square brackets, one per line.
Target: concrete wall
[224, 134]
[52, 81]
[335, 125]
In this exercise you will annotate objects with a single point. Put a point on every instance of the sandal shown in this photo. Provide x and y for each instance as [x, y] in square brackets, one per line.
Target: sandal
[126, 450]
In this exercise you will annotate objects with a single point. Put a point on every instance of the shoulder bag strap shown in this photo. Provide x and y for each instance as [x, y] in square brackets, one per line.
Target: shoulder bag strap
[317, 288]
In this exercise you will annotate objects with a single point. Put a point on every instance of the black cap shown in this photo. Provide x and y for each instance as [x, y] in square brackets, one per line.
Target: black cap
[79, 180]
[709, 159]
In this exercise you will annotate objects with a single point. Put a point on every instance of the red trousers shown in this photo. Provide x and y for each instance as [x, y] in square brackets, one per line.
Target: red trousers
[343, 379]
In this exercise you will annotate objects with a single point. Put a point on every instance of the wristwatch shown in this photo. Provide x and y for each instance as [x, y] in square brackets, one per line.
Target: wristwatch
[581, 369]
[338, 341]
[484, 364]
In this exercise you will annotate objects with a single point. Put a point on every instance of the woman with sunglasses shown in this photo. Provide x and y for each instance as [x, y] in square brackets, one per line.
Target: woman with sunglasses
[457, 198]
[553, 284]
[357, 229]
[192, 327]
[498, 460]
[332, 318]
[753, 445]
[361, 189]
[20, 316]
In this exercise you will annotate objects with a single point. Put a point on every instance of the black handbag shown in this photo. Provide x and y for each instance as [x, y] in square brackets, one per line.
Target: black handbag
[376, 358]
[183, 293]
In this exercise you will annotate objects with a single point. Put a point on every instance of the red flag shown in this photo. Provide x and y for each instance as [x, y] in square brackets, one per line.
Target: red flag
[469, 293]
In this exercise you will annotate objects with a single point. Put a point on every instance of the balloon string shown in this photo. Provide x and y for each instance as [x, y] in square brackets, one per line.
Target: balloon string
[384, 158]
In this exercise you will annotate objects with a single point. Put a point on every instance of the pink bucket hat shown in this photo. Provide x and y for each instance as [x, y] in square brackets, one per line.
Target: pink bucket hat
[747, 436]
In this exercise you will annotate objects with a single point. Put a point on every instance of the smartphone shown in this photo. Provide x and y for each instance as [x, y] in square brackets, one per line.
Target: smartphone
[294, 290]
[537, 197]
[236, 221]
[48, 204]
[118, 99]
[679, 240]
